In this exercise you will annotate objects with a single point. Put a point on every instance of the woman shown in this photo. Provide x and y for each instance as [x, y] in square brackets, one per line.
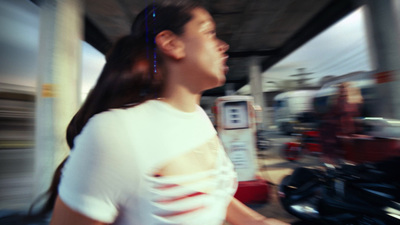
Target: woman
[143, 151]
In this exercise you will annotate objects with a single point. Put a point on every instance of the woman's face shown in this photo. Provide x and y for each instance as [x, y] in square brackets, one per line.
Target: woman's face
[205, 56]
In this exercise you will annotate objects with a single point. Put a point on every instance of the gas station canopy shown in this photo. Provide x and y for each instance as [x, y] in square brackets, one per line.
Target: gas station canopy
[269, 29]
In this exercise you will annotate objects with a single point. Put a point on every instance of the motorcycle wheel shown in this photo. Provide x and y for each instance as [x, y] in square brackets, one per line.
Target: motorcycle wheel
[300, 195]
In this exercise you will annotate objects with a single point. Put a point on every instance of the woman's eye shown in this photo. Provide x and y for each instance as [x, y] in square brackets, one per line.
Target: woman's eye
[212, 32]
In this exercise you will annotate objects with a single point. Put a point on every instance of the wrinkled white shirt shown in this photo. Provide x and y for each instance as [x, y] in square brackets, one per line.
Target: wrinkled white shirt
[111, 174]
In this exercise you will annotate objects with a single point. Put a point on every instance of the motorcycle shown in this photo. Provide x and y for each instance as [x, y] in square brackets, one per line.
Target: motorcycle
[363, 194]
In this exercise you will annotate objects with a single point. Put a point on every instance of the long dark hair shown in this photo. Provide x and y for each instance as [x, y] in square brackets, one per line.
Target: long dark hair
[133, 72]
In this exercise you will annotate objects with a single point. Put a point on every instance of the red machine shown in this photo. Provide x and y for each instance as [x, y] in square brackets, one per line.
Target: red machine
[307, 143]
[356, 148]
[363, 148]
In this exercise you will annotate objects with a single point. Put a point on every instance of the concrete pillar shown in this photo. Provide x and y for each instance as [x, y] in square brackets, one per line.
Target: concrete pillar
[256, 84]
[58, 84]
[382, 21]
[229, 89]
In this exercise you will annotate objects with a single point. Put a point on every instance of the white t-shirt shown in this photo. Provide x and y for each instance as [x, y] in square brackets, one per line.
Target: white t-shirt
[111, 174]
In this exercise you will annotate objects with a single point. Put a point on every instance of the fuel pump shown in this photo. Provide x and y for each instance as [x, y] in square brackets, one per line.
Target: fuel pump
[236, 124]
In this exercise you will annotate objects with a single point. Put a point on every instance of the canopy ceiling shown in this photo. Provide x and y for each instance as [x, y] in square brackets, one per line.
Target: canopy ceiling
[268, 29]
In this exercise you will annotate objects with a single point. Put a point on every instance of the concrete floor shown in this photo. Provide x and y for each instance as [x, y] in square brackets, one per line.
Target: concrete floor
[273, 168]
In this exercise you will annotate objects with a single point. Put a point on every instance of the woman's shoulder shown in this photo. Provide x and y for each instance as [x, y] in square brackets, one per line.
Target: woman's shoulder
[118, 114]
[106, 119]
[118, 120]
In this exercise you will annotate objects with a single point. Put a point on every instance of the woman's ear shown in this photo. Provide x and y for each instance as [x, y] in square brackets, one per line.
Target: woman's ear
[170, 44]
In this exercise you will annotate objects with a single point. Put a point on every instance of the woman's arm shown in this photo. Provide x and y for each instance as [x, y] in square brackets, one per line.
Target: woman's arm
[239, 214]
[63, 215]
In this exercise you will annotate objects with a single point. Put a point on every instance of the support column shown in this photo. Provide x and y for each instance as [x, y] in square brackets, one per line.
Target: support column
[58, 84]
[384, 38]
[229, 89]
[256, 84]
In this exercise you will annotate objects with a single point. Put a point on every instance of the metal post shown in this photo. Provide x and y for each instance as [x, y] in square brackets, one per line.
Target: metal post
[58, 84]
[257, 88]
[384, 38]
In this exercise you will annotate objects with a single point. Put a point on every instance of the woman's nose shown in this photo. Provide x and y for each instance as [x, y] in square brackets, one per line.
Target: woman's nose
[223, 46]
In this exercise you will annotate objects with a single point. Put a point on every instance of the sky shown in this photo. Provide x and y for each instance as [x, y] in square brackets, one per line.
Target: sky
[339, 50]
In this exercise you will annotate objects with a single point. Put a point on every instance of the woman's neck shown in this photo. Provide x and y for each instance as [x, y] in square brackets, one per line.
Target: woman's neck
[180, 98]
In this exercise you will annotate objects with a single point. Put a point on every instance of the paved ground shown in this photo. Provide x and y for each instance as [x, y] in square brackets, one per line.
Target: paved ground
[273, 170]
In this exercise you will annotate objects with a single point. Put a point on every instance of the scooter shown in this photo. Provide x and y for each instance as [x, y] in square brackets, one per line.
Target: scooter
[347, 194]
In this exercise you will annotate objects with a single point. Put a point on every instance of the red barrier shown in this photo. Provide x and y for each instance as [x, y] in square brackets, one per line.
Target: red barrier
[361, 149]
[253, 191]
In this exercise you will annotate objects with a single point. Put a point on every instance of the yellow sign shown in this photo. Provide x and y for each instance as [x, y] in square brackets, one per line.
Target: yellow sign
[48, 91]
